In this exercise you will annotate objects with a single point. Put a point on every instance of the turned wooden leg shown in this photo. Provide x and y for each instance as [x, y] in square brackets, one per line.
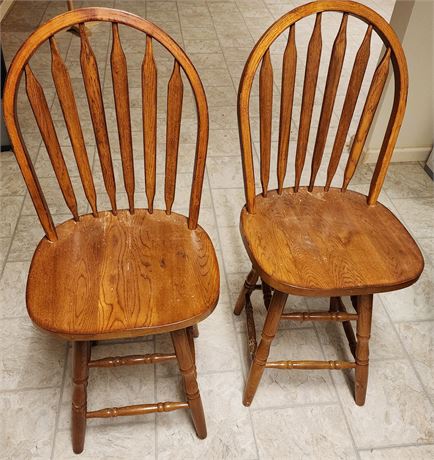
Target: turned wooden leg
[188, 371]
[80, 374]
[266, 292]
[364, 306]
[190, 335]
[195, 331]
[258, 363]
[247, 289]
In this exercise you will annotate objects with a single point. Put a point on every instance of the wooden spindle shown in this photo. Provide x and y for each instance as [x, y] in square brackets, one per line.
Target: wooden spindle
[357, 74]
[92, 84]
[287, 98]
[65, 93]
[303, 365]
[333, 77]
[175, 92]
[309, 88]
[45, 123]
[149, 107]
[123, 118]
[137, 409]
[371, 104]
[265, 117]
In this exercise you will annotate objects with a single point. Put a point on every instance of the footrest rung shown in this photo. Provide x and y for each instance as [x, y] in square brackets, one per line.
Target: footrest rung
[320, 316]
[310, 365]
[138, 409]
[132, 360]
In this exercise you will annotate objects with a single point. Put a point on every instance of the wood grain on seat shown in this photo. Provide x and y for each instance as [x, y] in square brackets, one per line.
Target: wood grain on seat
[125, 275]
[328, 243]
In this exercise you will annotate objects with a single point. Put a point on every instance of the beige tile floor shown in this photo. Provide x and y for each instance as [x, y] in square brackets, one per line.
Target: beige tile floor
[295, 415]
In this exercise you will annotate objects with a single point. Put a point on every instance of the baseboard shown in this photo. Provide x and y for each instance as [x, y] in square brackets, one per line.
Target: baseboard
[400, 154]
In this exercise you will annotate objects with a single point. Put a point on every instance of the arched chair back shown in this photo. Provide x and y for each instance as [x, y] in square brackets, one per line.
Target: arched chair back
[260, 57]
[94, 92]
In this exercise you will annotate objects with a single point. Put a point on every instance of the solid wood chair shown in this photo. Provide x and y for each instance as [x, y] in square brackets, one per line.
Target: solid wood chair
[320, 240]
[119, 273]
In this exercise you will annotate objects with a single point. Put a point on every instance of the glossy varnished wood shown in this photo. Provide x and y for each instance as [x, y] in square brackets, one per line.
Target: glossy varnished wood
[309, 89]
[360, 249]
[175, 93]
[129, 275]
[266, 113]
[65, 93]
[331, 88]
[92, 84]
[320, 8]
[45, 123]
[149, 108]
[123, 118]
[311, 239]
[287, 98]
[123, 273]
[350, 101]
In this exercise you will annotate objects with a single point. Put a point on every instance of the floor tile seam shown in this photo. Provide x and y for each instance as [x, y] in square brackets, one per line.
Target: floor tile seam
[394, 446]
[340, 403]
[59, 404]
[408, 357]
[240, 354]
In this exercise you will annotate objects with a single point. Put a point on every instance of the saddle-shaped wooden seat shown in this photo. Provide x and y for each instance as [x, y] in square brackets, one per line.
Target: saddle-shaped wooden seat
[123, 275]
[328, 244]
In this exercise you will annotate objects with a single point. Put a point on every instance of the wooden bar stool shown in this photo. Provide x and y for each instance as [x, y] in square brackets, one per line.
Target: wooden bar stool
[124, 272]
[320, 240]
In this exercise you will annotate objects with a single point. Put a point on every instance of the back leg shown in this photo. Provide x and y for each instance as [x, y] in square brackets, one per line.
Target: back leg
[249, 286]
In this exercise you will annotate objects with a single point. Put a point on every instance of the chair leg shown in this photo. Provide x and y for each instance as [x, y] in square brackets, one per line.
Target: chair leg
[80, 374]
[267, 293]
[195, 331]
[188, 371]
[247, 289]
[258, 363]
[364, 306]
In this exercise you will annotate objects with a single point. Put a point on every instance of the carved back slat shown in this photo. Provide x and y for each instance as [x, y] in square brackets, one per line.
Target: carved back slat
[265, 113]
[175, 92]
[317, 10]
[333, 76]
[65, 93]
[371, 104]
[123, 118]
[309, 89]
[354, 85]
[149, 90]
[286, 101]
[45, 123]
[92, 84]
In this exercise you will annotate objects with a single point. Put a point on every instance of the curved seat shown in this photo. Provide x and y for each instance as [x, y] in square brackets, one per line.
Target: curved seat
[123, 276]
[328, 244]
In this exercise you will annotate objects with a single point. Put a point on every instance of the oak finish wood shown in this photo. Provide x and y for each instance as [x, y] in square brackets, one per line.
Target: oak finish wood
[315, 240]
[123, 276]
[265, 112]
[331, 88]
[65, 93]
[123, 117]
[309, 89]
[175, 92]
[354, 85]
[360, 250]
[119, 273]
[149, 107]
[45, 124]
[92, 84]
[287, 98]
